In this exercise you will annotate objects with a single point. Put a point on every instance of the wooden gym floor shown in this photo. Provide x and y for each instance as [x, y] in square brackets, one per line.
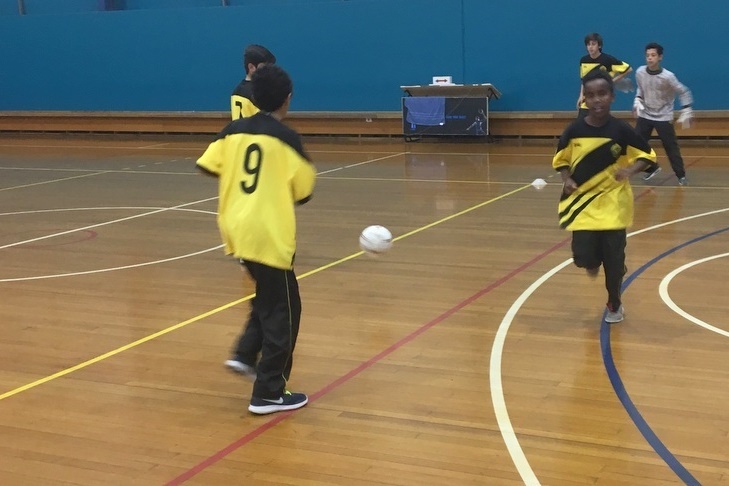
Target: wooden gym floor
[472, 353]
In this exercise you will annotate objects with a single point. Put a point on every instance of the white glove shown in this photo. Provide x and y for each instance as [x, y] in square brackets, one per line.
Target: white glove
[624, 84]
[687, 114]
[638, 106]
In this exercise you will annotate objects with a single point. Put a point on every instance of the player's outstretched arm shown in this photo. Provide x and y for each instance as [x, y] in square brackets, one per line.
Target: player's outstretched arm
[620, 76]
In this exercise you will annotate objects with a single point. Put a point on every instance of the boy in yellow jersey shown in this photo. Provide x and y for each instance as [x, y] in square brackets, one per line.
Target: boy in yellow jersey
[263, 173]
[596, 155]
[596, 59]
[241, 101]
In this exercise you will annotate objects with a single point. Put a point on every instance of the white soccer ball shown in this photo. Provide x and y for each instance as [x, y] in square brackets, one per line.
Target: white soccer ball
[375, 239]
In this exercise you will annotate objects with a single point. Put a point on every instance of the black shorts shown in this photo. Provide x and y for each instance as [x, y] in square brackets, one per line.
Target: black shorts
[590, 248]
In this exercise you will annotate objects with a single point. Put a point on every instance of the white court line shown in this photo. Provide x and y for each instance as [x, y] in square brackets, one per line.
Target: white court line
[110, 171]
[160, 210]
[312, 151]
[388, 179]
[497, 390]
[428, 181]
[663, 292]
[497, 350]
[53, 181]
[101, 147]
[204, 144]
[349, 166]
[155, 145]
[679, 220]
[323, 173]
[161, 146]
[545, 154]
[110, 269]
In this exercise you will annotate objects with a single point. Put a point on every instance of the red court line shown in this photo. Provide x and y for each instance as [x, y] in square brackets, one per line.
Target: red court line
[668, 176]
[190, 473]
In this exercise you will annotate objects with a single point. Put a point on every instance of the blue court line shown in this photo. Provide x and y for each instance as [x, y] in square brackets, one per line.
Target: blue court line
[617, 382]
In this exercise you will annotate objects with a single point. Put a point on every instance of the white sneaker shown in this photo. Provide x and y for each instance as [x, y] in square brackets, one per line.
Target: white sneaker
[615, 316]
[242, 369]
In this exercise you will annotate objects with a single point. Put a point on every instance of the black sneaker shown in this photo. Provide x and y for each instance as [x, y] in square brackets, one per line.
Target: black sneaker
[287, 401]
[649, 175]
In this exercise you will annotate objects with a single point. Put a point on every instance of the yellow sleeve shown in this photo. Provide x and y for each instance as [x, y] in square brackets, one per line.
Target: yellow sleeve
[638, 148]
[212, 159]
[563, 158]
[618, 69]
[635, 154]
[303, 180]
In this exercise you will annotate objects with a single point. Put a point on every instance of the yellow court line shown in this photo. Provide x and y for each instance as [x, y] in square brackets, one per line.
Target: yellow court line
[168, 330]
[123, 348]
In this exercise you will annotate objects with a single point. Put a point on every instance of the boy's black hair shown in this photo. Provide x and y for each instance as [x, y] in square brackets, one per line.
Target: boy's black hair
[656, 46]
[271, 86]
[594, 36]
[256, 54]
[599, 74]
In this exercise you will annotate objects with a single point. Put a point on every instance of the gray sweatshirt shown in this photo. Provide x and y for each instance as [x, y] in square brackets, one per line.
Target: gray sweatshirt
[657, 91]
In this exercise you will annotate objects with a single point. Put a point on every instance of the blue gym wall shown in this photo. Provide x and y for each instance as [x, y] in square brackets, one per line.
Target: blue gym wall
[344, 55]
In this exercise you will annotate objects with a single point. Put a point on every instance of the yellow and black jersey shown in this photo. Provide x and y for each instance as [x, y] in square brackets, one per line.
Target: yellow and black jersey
[604, 62]
[241, 101]
[263, 172]
[593, 155]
